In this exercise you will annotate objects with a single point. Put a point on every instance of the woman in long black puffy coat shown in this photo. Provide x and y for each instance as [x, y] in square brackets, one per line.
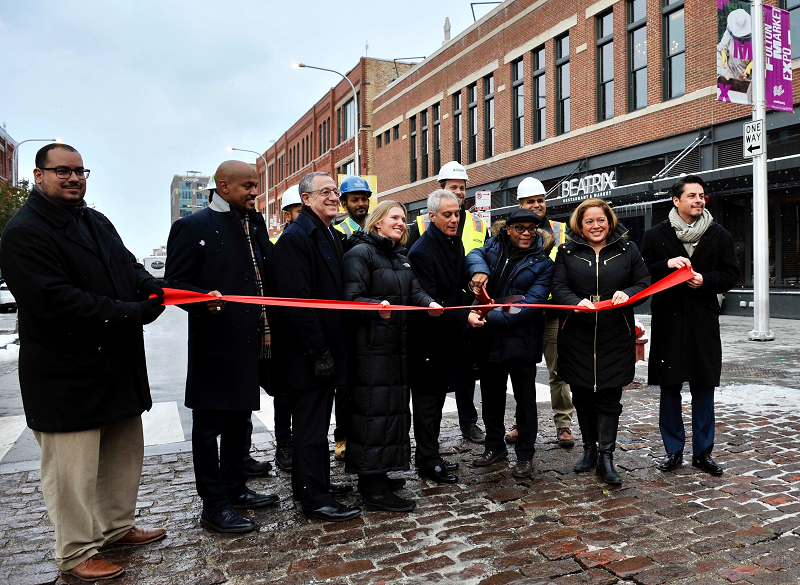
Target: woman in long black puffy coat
[376, 270]
[596, 350]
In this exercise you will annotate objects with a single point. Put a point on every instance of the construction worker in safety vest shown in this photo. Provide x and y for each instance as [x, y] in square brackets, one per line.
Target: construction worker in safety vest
[473, 232]
[531, 195]
[354, 194]
[290, 206]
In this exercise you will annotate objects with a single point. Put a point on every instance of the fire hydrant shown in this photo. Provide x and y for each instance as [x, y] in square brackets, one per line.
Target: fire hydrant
[641, 340]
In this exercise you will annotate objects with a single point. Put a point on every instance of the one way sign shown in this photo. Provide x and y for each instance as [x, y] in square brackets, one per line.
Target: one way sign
[754, 143]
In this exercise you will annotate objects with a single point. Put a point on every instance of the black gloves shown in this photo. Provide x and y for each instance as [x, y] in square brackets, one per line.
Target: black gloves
[151, 309]
[323, 367]
[153, 287]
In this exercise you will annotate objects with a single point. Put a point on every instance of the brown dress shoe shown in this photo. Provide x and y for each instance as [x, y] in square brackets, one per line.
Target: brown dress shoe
[512, 435]
[565, 438]
[96, 568]
[136, 536]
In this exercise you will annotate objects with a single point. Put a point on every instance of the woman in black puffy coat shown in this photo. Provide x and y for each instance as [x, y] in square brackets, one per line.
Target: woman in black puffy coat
[376, 270]
[596, 350]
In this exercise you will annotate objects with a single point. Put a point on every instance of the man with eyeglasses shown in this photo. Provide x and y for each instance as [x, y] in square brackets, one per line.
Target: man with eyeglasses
[313, 354]
[512, 267]
[82, 300]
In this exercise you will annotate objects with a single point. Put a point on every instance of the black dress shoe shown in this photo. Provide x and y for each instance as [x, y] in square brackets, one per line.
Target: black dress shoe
[251, 499]
[449, 465]
[226, 521]
[474, 434]
[284, 454]
[388, 502]
[339, 489]
[706, 463]
[438, 474]
[396, 483]
[334, 512]
[255, 468]
[671, 461]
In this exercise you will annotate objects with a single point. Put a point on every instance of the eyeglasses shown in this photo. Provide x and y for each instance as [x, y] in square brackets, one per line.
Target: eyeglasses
[326, 192]
[521, 229]
[66, 172]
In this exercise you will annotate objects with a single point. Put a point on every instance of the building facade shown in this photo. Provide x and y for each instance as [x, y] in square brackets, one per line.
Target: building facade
[323, 139]
[7, 148]
[187, 195]
[593, 99]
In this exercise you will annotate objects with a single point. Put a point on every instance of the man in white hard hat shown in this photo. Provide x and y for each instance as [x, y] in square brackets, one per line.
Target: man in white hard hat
[531, 195]
[472, 231]
[290, 206]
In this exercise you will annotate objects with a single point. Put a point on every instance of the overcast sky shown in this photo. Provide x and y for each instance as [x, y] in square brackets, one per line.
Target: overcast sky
[149, 89]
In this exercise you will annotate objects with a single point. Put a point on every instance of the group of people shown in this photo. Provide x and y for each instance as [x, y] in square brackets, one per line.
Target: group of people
[83, 299]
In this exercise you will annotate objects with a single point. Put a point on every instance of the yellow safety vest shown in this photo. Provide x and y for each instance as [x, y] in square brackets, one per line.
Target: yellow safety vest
[275, 239]
[472, 237]
[348, 227]
[560, 235]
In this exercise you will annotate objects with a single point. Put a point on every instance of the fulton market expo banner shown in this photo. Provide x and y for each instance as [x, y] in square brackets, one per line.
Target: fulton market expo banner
[734, 52]
[778, 59]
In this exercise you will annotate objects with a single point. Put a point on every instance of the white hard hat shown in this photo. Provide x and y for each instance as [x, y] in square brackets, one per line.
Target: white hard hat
[290, 197]
[530, 187]
[452, 170]
[212, 186]
[739, 23]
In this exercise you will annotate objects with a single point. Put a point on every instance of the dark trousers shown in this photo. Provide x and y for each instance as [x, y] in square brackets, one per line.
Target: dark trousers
[219, 472]
[589, 404]
[340, 405]
[311, 468]
[670, 419]
[427, 423]
[373, 483]
[465, 402]
[282, 404]
[494, 379]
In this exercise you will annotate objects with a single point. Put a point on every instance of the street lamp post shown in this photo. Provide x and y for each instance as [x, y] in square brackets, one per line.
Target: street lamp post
[230, 148]
[16, 155]
[355, 101]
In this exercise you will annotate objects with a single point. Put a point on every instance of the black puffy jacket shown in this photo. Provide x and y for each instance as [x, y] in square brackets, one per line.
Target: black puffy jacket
[378, 399]
[597, 349]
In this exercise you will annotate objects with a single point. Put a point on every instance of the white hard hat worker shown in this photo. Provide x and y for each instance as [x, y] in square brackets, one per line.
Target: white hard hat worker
[453, 177]
[209, 189]
[530, 195]
[291, 204]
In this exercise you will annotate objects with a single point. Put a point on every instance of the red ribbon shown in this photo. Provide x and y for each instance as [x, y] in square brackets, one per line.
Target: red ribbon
[173, 296]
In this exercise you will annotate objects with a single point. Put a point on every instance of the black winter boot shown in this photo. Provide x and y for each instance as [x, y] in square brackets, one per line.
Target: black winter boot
[607, 435]
[587, 421]
[589, 459]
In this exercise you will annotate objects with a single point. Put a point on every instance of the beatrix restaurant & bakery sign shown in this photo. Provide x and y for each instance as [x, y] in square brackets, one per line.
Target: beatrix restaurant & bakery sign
[598, 185]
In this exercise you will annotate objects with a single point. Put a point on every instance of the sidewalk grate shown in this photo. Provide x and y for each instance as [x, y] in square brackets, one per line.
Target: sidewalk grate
[755, 371]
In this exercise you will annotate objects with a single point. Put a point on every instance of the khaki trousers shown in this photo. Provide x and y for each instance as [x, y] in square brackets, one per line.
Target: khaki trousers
[90, 481]
[560, 396]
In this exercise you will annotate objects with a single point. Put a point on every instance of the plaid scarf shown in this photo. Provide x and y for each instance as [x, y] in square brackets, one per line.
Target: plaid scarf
[266, 339]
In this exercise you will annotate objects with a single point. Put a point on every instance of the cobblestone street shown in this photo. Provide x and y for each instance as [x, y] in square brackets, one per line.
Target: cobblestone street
[559, 527]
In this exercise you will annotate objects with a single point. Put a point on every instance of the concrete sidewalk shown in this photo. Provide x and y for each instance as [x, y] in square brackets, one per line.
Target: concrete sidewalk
[558, 527]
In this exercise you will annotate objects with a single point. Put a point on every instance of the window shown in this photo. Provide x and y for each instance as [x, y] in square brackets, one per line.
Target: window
[472, 116]
[339, 126]
[319, 139]
[637, 55]
[488, 116]
[437, 158]
[271, 175]
[386, 137]
[347, 127]
[518, 107]
[457, 136]
[423, 143]
[605, 66]
[412, 132]
[793, 6]
[562, 85]
[347, 169]
[539, 96]
[674, 49]
[396, 133]
[378, 142]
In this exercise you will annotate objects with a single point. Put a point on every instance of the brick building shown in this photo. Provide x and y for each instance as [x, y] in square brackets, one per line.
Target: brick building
[187, 195]
[622, 88]
[7, 147]
[323, 138]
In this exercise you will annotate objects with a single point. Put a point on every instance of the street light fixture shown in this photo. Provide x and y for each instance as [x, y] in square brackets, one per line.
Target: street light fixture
[16, 155]
[355, 101]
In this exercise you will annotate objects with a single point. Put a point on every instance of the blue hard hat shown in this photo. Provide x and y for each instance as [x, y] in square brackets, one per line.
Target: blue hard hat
[353, 184]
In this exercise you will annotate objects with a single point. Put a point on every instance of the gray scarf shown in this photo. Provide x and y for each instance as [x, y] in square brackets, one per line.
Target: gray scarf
[689, 236]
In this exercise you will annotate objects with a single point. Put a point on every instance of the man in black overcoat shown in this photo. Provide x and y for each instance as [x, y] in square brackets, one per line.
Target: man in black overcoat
[438, 356]
[224, 249]
[82, 300]
[313, 353]
[685, 338]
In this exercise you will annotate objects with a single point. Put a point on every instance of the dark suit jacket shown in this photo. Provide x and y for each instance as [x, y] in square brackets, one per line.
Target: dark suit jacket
[81, 360]
[208, 251]
[308, 268]
[686, 345]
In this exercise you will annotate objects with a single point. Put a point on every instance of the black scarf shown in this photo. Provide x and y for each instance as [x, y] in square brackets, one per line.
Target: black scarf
[335, 242]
